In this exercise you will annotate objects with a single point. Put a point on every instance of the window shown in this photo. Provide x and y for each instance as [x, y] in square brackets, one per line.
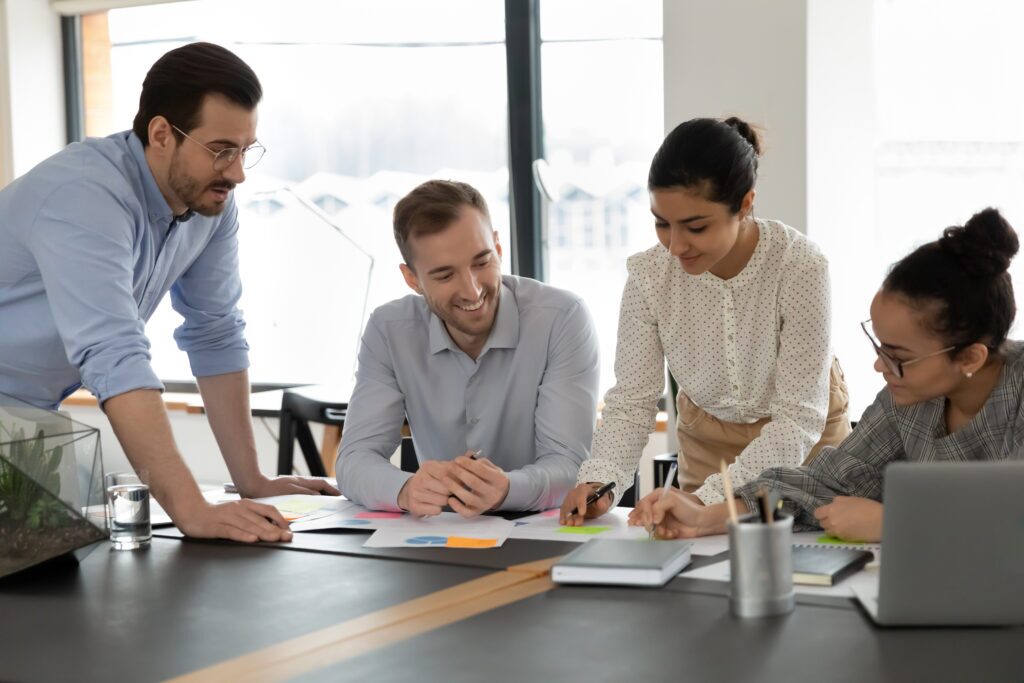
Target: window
[603, 119]
[947, 143]
[362, 101]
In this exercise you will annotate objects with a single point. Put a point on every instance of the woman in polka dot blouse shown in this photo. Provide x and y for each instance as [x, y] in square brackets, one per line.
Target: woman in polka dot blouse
[740, 309]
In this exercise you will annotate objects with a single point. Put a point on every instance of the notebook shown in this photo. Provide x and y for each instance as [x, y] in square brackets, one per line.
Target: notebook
[826, 566]
[623, 562]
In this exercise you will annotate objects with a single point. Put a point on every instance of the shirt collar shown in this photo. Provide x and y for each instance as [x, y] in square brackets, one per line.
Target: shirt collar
[157, 208]
[504, 334]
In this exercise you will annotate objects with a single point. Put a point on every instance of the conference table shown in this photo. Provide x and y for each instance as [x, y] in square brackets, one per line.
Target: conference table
[324, 608]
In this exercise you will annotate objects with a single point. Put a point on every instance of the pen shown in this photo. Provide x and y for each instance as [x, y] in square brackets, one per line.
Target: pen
[593, 498]
[230, 488]
[664, 490]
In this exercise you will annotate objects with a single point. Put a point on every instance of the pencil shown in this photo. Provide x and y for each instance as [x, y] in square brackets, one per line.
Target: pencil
[727, 484]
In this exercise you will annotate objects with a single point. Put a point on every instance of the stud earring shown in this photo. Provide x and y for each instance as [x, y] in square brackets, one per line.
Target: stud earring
[968, 375]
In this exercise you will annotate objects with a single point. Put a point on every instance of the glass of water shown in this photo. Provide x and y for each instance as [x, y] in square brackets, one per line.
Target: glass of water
[128, 511]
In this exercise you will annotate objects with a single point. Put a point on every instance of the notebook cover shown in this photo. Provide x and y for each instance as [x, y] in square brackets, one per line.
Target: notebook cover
[824, 566]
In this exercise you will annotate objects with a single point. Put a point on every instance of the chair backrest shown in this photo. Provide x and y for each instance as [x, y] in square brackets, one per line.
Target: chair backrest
[297, 411]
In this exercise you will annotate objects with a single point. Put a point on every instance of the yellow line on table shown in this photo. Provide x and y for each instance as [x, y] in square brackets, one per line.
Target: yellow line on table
[354, 637]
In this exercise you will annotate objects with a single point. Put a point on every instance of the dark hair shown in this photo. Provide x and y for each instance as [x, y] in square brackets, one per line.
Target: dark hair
[176, 85]
[717, 157]
[431, 208]
[961, 280]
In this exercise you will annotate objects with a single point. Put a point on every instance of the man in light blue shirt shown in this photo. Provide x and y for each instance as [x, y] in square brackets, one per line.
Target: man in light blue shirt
[496, 375]
[90, 241]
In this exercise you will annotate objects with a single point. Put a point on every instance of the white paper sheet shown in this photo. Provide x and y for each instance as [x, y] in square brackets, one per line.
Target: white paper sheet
[544, 526]
[447, 530]
[614, 524]
[867, 577]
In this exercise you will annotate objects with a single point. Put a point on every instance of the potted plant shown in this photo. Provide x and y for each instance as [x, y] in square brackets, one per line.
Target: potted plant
[46, 488]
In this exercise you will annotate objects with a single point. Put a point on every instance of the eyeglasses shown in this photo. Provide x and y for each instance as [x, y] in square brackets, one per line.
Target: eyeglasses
[894, 365]
[251, 155]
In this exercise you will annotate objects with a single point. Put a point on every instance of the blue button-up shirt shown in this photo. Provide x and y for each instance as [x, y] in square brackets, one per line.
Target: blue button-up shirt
[88, 248]
[529, 401]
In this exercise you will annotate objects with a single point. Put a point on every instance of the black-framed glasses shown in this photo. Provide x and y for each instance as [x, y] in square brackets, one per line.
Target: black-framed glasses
[894, 365]
[222, 159]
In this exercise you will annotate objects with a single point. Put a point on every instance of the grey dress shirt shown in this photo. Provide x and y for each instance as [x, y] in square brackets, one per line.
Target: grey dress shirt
[529, 401]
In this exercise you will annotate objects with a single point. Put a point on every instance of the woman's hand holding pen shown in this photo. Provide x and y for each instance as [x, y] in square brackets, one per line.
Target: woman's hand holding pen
[852, 519]
[577, 500]
[678, 515]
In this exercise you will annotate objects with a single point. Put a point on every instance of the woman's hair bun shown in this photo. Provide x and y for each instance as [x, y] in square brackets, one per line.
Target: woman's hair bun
[748, 132]
[984, 245]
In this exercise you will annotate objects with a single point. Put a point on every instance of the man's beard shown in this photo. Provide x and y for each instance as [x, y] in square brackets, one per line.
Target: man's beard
[449, 313]
[189, 191]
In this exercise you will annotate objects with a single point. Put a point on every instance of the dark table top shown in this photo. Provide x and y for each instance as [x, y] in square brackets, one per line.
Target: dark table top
[177, 607]
[181, 606]
[636, 634]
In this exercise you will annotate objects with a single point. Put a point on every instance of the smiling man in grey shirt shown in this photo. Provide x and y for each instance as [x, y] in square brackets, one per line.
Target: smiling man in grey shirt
[475, 361]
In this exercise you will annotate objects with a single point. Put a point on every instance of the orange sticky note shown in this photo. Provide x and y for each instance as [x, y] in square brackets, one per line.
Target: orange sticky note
[459, 542]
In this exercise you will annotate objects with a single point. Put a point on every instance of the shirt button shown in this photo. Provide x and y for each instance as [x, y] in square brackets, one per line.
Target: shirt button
[735, 388]
[730, 337]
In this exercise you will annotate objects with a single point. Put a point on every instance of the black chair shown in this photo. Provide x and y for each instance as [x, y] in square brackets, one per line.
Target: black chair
[662, 464]
[298, 409]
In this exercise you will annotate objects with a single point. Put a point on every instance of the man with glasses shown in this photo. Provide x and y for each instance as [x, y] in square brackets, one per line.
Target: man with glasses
[90, 241]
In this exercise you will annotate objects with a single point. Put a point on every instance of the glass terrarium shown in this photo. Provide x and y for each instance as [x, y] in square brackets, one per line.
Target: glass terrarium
[51, 486]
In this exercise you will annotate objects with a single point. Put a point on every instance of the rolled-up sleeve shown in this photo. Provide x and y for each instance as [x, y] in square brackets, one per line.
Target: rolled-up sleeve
[565, 414]
[207, 295]
[854, 468]
[373, 429]
[85, 260]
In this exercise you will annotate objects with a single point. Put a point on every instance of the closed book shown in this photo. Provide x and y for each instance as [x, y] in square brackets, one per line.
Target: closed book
[623, 562]
[826, 566]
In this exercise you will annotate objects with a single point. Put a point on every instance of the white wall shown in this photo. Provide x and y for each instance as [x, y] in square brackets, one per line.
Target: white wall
[746, 58]
[32, 125]
[196, 443]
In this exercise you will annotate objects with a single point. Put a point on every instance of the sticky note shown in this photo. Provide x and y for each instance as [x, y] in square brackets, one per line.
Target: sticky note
[459, 542]
[301, 505]
[550, 513]
[379, 515]
[588, 530]
[832, 540]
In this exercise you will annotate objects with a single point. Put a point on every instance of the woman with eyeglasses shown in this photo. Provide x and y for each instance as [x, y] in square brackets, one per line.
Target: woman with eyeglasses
[953, 391]
[739, 307]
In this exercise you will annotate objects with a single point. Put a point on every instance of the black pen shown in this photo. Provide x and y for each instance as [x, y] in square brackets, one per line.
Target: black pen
[595, 496]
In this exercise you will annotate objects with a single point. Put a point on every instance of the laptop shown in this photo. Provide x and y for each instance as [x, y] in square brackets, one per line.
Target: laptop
[953, 546]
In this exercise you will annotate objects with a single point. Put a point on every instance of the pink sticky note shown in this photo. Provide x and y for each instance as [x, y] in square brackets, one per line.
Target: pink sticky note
[550, 513]
[379, 515]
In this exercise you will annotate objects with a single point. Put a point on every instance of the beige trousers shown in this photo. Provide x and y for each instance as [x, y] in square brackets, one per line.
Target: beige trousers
[704, 440]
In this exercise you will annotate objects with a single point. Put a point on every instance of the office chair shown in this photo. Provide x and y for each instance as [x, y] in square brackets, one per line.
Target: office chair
[297, 411]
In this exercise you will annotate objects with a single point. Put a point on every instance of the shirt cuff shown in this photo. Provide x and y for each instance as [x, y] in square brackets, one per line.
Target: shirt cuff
[520, 494]
[595, 470]
[386, 487]
[209, 362]
[134, 372]
[711, 491]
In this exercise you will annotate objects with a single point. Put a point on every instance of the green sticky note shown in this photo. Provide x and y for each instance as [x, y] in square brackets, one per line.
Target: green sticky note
[583, 529]
[832, 540]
